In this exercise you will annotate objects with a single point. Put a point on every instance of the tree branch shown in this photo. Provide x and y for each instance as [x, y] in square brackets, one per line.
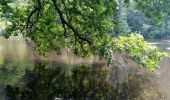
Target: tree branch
[29, 17]
[37, 9]
[69, 25]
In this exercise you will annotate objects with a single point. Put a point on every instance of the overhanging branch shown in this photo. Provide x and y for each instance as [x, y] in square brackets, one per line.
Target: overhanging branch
[69, 25]
[37, 9]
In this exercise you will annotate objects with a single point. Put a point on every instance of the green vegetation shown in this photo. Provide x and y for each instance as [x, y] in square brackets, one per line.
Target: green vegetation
[139, 50]
[86, 27]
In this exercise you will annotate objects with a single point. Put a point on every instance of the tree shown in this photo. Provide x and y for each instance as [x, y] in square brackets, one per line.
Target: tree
[80, 25]
[154, 9]
[77, 24]
[122, 25]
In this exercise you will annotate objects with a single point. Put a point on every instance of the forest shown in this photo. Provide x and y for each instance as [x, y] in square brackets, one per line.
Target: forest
[117, 32]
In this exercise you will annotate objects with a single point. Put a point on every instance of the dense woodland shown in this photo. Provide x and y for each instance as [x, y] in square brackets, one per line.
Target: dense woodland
[87, 28]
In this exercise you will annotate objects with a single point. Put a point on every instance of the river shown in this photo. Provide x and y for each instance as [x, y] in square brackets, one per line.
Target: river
[25, 75]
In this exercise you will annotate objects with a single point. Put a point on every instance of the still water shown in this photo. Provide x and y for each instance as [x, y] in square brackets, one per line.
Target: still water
[164, 45]
[24, 75]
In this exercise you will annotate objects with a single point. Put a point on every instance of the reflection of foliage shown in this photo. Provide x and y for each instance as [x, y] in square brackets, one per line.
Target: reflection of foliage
[12, 71]
[81, 84]
[84, 83]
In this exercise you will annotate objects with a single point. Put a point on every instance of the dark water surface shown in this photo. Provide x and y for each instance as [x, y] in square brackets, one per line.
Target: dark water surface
[26, 76]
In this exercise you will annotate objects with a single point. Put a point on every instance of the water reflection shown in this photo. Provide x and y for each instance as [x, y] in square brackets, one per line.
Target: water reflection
[11, 71]
[25, 79]
[46, 82]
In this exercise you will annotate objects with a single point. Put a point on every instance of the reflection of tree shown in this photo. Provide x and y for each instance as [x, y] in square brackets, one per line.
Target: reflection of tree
[49, 83]
[11, 72]
[45, 83]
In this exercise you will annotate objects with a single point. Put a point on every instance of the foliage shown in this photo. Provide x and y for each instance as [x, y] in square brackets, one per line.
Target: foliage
[138, 22]
[82, 26]
[121, 27]
[154, 9]
[150, 17]
[139, 50]
[65, 23]
[131, 47]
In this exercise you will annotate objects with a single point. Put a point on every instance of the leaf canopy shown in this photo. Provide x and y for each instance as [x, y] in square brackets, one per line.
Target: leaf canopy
[80, 25]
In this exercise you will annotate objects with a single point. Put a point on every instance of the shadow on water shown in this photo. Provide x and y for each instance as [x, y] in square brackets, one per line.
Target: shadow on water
[48, 81]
